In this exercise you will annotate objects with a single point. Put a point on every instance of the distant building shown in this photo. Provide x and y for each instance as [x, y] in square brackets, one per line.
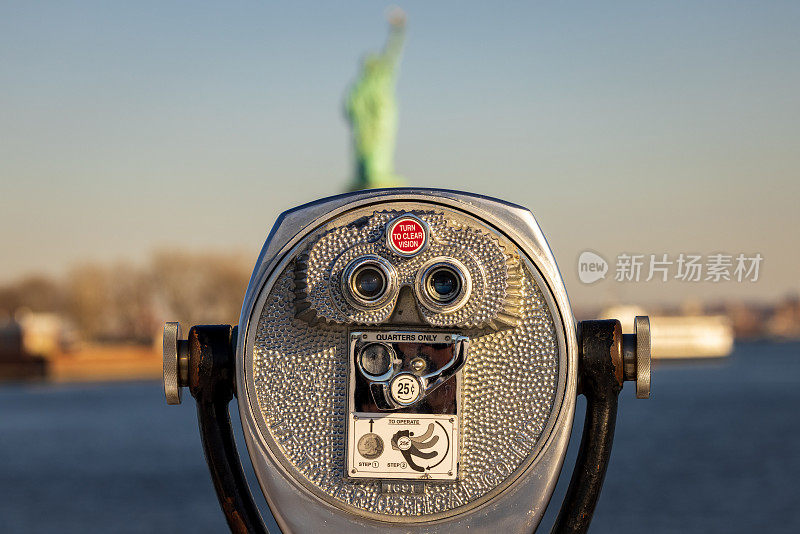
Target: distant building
[785, 320]
[45, 334]
[16, 362]
[10, 339]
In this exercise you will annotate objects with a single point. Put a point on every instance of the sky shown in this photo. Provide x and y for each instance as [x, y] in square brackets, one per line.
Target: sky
[632, 127]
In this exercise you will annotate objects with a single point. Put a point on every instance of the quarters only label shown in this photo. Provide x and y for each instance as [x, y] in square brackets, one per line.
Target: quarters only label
[409, 446]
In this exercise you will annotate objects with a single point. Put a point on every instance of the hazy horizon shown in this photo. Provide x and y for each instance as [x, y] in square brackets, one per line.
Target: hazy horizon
[669, 128]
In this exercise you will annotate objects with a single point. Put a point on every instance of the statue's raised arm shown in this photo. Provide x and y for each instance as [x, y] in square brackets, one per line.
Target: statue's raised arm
[397, 34]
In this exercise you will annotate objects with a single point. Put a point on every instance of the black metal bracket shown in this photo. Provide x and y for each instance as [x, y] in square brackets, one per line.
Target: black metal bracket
[212, 378]
[600, 373]
[211, 382]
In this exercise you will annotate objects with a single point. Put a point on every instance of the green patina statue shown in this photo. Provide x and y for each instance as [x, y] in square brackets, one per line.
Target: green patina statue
[371, 109]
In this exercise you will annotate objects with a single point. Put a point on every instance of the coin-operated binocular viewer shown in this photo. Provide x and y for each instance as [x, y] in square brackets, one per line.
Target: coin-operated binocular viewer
[407, 360]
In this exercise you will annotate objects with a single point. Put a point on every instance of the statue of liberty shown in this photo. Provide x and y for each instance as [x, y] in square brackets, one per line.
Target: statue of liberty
[371, 109]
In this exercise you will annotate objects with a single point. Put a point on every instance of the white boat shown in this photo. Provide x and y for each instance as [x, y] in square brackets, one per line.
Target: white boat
[680, 336]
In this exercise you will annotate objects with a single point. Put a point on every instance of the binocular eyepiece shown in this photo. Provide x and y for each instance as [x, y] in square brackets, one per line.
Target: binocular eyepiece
[443, 284]
[406, 360]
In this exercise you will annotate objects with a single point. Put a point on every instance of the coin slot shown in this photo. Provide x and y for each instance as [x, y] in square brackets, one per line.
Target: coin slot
[376, 359]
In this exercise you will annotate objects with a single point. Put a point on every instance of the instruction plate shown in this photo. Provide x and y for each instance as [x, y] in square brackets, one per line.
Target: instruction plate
[406, 446]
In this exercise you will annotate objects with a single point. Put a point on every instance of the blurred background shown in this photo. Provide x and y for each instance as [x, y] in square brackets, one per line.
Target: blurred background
[146, 150]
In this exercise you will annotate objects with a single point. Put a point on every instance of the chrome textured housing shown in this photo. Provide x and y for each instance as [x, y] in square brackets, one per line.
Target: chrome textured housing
[519, 385]
[494, 274]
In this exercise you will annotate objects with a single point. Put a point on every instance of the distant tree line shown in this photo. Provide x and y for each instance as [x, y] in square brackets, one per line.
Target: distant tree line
[122, 302]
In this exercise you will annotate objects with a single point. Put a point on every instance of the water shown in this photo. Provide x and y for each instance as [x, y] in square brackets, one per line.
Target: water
[717, 449]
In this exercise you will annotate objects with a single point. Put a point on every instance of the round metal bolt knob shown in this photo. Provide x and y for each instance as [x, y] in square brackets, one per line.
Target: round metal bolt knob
[172, 363]
[641, 328]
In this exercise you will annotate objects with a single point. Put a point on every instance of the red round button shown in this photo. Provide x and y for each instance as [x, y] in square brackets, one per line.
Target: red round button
[407, 236]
